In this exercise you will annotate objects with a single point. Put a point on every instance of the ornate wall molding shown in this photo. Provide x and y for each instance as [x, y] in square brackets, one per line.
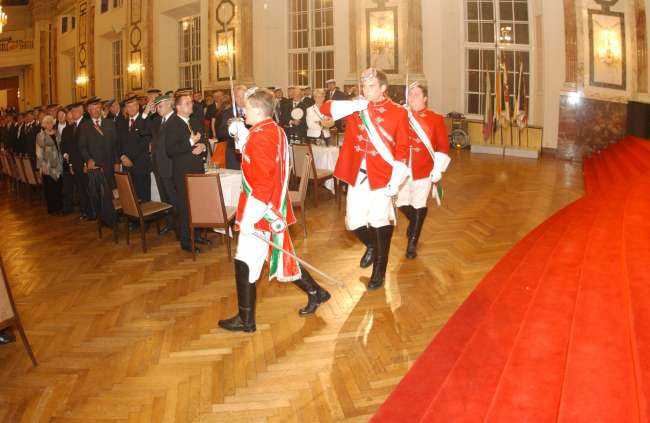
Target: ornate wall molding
[641, 46]
[571, 41]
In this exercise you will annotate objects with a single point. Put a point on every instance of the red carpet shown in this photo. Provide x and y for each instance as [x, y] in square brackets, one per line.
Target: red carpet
[559, 330]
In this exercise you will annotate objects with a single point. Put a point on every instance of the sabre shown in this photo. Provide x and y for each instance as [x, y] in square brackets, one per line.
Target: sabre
[230, 71]
[330, 280]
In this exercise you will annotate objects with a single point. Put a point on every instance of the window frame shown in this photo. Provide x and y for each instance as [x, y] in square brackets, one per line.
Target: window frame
[193, 66]
[311, 49]
[117, 75]
[496, 46]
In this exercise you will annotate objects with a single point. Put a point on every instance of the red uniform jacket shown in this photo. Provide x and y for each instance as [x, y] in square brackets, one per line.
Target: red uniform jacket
[263, 171]
[435, 128]
[390, 119]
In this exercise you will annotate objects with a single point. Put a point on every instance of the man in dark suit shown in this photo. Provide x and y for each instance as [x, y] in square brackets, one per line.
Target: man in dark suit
[134, 138]
[307, 97]
[296, 129]
[233, 158]
[97, 141]
[162, 164]
[186, 148]
[333, 92]
[27, 141]
[73, 160]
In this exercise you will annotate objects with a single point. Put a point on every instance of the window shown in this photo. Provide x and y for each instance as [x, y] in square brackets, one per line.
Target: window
[64, 24]
[189, 52]
[496, 34]
[118, 80]
[117, 3]
[74, 22]
[311, 42]
[103, 7]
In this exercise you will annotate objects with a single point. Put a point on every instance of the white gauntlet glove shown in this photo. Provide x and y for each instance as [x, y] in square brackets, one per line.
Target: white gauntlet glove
[400, 171]
[440, 163]
[253, 213]
[237, 129]
[343, 108]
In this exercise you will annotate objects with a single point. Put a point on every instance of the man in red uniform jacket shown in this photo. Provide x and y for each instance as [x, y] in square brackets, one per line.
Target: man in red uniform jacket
[428, 160]
[373, 162]
[264, 211]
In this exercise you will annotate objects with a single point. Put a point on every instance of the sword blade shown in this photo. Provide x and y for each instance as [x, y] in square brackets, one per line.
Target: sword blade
[331, 280]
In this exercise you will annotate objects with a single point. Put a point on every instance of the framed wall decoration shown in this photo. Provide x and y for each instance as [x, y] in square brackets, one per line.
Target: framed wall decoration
[381, 39]
[607, 58]
[226, 54]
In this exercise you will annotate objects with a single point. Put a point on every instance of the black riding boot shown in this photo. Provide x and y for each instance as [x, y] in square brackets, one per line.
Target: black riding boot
[418, 222]
[246, 296]
[316, 295]
[409, 212]
[382, 246]
[365, 236]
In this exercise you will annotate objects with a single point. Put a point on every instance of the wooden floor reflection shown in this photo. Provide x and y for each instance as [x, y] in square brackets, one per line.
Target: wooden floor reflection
[124, 336]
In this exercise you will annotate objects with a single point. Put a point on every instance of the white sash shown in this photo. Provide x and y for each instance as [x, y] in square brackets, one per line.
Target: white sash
[419, 131]
[375, 138]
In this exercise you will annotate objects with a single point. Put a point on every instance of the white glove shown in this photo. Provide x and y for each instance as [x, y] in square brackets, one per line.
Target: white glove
[343, 108]
[237, 129]
[253, 213]
[435, 176]
[400, 170]
[440, 163]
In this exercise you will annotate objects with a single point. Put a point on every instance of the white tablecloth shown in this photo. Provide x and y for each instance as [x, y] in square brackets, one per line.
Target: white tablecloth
[231, 187]
[325, 158]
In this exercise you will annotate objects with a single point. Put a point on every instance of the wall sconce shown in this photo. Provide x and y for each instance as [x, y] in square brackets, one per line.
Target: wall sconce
[81, 80]
[134, 68]
[505, 34]
[381, 37]
[224, 52]
[186, 25]
[610, 51]
[3, 19]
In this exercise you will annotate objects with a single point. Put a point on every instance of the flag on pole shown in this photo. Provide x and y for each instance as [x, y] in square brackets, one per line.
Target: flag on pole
[488, 111]
[507, 115]
[498, 92]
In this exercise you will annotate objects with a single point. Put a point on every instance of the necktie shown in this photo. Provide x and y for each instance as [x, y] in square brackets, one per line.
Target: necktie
[131, 122]
[97, 123]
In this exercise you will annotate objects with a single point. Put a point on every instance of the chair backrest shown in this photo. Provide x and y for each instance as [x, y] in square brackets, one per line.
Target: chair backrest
[30, 176]
[205, 200]
[3, 162]
[300, 151]
[128, 198]
[304, 178]
[20, 172]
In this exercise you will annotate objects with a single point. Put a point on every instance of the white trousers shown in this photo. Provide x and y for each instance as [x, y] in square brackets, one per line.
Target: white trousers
[414, 193]
[253, 251]
[367, 207]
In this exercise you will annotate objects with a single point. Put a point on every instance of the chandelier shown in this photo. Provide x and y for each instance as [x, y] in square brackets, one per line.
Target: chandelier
[3, 19]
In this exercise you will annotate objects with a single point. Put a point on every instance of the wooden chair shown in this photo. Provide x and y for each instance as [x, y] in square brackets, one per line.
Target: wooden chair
[117, 205]
[298, 197]
[206, 207]
[134, 209]
[318, 176]
[8, 313]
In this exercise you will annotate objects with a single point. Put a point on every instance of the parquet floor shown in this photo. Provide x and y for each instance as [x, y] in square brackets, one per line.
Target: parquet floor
[124, 336]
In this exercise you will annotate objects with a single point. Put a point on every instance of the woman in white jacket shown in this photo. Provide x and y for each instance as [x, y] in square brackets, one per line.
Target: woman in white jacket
[318, 124]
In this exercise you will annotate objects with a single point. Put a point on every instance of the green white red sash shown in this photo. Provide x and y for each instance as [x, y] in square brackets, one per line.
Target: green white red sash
[419, 131]
[375, 138]
[281, 266]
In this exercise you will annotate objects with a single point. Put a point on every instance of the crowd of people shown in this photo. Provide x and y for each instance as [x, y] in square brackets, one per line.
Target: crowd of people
[389, 152]
[68, 144]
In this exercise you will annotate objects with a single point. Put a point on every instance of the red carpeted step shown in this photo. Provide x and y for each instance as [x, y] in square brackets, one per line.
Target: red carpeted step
[636, 154]
[618, 169]
[604, 177]
[610, 169]
[470, 386]
[467, 390]
[636, 254]
[599, 379]
[626, 165]
[410, 399]
[589, 173]
[530, 385]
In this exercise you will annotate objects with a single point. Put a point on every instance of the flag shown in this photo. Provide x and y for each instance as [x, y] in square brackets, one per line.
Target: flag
[488, 111]
[506, 116]
[498, 91]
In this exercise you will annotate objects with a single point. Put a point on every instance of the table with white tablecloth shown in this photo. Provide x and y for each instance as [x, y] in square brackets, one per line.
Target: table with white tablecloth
[230, 184]
[325, 158]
